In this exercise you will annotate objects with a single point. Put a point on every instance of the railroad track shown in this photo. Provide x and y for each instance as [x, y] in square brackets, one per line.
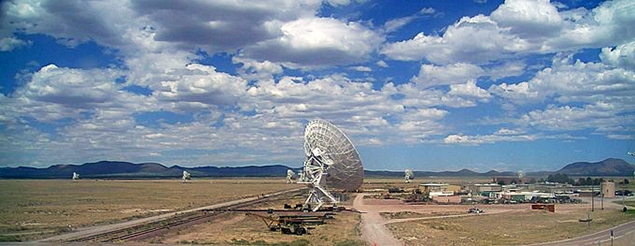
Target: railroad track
[179, 220]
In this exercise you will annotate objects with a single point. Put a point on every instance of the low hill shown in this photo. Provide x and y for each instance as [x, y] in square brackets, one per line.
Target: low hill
[608, 167]
[461, 173]
[118, 169]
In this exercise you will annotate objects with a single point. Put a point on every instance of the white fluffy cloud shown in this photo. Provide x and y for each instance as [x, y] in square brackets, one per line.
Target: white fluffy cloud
[213, 25]
[281, 31]
[622, 56]
[201, 85]
[431, 75]
[316, 42]
[55, 93]
[470, 90]
[71, 22]
[10, 43]
[573, 82]
[521, 27]
[529, 19]
[488, 139]
[599, 117]
[476, 40]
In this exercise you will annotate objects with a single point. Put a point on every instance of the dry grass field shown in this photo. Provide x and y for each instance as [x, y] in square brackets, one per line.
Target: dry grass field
[29, 208]
[239, 229]
[516, 228]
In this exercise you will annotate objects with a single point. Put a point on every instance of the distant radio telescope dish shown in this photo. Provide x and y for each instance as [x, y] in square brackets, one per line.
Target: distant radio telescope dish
[75, 176]
[331, 161]
[408, 175]
[290, 176]
[521, 175]
[186, 176]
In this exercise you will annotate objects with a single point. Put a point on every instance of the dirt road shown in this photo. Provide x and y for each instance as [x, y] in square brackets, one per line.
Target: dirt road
[373, 229]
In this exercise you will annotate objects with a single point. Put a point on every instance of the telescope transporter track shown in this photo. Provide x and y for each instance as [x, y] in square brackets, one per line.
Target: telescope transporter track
[179, 220]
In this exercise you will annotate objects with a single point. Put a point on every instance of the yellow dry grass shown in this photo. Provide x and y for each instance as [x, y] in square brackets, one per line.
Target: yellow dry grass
[31, 206]
[516, 228]
[237, 228]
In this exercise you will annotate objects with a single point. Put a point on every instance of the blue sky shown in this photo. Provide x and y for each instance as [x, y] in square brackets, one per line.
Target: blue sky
[426, 85]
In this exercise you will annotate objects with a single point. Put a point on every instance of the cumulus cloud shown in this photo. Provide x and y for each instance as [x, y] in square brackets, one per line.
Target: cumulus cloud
[573, 82]
[472, 39]
[593, 116]
[281, 31]
[519, 93]
[215, 25]
[203, 85]
[316, 42]
[434, 75]
[71, 22]
[488, 139]
[362, 69]
[469, 89]
[254, 70]
[622, 56]
[54, 93]
[10, 43]
[528, 19]
[520, 27]
[431, 75]
[611, 23]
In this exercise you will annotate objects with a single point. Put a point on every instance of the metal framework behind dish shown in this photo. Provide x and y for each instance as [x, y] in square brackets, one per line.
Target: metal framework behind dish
[331, 159]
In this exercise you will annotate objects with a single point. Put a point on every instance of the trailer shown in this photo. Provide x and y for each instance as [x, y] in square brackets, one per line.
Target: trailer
[292, 224]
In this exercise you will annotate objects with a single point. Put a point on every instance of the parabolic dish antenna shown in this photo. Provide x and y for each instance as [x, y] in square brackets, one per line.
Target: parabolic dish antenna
[290, 176]
[75, 176]
[408, 175]
[186, 176]
[331, 161]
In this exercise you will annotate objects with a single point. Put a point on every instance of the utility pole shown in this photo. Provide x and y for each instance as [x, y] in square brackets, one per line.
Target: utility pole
[602, 196]
[623, 205]
[602, 200]
[592, 195]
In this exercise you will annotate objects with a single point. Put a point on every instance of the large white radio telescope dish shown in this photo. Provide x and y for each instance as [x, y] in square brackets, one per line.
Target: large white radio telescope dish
[331, 161]
[75, 176]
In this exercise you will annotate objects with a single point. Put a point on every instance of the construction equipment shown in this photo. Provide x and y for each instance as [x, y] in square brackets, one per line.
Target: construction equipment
[292, 224]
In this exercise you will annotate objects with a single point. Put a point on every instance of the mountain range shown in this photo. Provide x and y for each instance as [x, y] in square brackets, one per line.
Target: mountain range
[119, 170]
[608, 167]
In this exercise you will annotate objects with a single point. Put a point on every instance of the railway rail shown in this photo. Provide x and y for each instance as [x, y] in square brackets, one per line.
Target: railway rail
[178, 220]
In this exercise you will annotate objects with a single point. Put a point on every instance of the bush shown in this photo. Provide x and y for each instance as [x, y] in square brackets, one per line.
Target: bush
[10, 238]
[349, 242]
